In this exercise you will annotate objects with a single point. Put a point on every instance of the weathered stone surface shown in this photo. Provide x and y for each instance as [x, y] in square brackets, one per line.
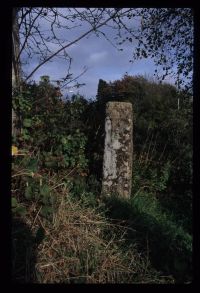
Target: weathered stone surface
[118, 152]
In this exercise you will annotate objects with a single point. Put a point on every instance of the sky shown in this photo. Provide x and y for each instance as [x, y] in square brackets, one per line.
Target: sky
[102, 60]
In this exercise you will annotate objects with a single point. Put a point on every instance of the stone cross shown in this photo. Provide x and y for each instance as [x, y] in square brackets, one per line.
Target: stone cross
[118, 151]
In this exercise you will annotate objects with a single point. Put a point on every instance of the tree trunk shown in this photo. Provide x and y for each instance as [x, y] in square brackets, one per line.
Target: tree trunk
[16, 70]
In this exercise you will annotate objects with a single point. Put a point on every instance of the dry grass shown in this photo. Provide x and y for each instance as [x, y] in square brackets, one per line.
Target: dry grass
[81, 246]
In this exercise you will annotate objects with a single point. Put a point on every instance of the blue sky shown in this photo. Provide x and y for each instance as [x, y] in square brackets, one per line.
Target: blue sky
[102, 60]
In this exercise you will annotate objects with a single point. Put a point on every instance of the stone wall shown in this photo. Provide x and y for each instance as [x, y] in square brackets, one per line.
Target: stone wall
[118, 151]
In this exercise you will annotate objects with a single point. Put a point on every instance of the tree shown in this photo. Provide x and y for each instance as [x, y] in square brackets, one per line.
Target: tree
[30, 40]
[35, 41]
[16, 66]
[101, 88]
[163, 34]
[166, 34]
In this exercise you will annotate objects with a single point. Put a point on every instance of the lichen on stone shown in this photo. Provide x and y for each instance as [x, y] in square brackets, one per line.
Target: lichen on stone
[117, 167]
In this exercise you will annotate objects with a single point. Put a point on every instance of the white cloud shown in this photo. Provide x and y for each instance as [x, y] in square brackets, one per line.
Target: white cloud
[102, 59]
[97, 57]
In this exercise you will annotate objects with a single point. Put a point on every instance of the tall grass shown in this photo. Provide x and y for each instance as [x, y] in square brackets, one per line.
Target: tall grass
[77, 244]
[169, 245]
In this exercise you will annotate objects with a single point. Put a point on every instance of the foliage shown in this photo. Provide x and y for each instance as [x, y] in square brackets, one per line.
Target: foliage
[162, 139]
[56, 186]
[49, 141]
[50, 124]
[166, 35]
[17, 208]
[161, 204]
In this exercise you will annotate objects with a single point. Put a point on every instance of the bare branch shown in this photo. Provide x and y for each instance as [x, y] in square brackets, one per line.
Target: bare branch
[71, 80]
[28, 34]
[70, 44]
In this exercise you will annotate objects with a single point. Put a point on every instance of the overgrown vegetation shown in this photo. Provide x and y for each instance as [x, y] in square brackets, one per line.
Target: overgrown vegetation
[63, 230]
